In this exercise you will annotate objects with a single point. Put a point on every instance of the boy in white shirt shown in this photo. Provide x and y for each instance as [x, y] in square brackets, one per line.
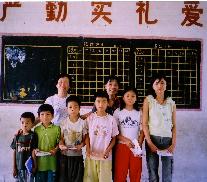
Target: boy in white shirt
[101, 137]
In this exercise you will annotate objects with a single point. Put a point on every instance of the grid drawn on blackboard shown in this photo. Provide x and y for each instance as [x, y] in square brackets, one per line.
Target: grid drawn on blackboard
[180, 65]
[89, 66]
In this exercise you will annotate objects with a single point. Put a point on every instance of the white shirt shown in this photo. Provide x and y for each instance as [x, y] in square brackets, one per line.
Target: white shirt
[128, 122]
[59, 106]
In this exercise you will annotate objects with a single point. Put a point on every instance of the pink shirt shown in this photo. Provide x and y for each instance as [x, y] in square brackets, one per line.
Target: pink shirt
[101, 129]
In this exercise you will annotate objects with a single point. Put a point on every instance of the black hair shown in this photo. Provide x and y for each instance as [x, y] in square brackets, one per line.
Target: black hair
[123, 104]
[62, 75]
[102, 94]
[111, 78]
[45, 107]
[151, 91]
[28, 115]
[73, 98]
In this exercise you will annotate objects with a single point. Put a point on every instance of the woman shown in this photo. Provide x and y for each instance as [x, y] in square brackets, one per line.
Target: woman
[159, 126]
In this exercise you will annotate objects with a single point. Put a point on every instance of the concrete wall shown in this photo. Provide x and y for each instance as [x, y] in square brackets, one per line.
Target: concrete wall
[191, 149]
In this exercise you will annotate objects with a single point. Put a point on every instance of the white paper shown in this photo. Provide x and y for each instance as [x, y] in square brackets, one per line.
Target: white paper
[137, 151]
[42, 153]
[164, 153]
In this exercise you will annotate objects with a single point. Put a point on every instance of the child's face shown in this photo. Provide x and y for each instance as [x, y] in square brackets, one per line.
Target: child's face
[73, 108]
[101, 104]
[63, 84]
[112, 87]
[26, 124]
[46, 117]
[130, 98]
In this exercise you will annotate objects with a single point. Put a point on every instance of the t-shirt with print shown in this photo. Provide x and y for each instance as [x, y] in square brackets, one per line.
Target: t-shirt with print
[101, 129]
[59, 106]
[73, 133]
[24, 144]
[128, 122]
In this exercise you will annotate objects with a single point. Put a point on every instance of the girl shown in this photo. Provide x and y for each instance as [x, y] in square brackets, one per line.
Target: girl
[129, 122]
[159, 125]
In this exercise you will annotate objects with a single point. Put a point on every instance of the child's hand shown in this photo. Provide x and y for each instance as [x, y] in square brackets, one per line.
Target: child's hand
[36, 151]
[129, 143]
[78, 147]
[15, 172]
[53, 151]
[88, 153]
[106, 155]
[63, 147]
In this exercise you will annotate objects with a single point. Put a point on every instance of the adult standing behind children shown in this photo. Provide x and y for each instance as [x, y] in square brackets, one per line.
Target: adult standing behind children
[129, 123]
[101, 137]
[48, 140]
[73, 131]
[159, 125]
[112, 87]
[23, 145]
[58, 100]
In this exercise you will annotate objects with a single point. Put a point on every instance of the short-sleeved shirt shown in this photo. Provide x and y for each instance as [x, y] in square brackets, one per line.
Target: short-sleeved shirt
[101, 129]
[73, 133]
[59, 106]
[48, 138]
[160, 117]
[128, 122]
[23, 145]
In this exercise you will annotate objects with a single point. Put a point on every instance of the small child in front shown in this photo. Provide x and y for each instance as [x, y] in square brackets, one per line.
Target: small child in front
[73, 131]
[48, 140]
[23, 145]
[101, 137]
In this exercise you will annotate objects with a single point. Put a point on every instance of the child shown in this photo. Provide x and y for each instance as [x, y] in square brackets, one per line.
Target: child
[73, 131]
[23, 145]
[102, 131]
[48, 139]
[129, 122]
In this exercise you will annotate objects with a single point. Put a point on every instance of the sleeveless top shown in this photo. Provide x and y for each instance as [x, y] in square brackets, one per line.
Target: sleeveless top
[160, 117]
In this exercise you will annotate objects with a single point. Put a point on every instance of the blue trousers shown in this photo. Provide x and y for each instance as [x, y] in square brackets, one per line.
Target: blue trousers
[24, 176]
[45, 176]
[153, 160]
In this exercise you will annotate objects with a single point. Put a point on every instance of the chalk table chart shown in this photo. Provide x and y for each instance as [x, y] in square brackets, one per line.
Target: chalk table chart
[31, 64]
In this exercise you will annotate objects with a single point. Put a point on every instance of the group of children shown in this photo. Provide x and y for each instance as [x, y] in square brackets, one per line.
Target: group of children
[98, 132]
[113, 127]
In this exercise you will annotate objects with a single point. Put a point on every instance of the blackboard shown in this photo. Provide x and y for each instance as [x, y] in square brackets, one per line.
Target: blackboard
[91, 60]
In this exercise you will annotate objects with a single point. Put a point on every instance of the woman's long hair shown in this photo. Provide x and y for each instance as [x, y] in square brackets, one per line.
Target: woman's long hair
[151, 91]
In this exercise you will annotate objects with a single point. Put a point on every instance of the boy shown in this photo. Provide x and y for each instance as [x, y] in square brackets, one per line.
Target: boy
[23, 145]
[73, 131]
[48, 139]
[112, 87]
[102, 131]
[58, 100]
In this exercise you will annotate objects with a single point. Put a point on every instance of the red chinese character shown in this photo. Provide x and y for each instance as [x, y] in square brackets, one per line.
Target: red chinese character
[141, 10]
[98, 11]
[51, 8]
[9, 5]
[192, 14]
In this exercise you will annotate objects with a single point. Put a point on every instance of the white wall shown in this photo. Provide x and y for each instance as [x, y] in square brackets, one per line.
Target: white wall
[190, 155]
